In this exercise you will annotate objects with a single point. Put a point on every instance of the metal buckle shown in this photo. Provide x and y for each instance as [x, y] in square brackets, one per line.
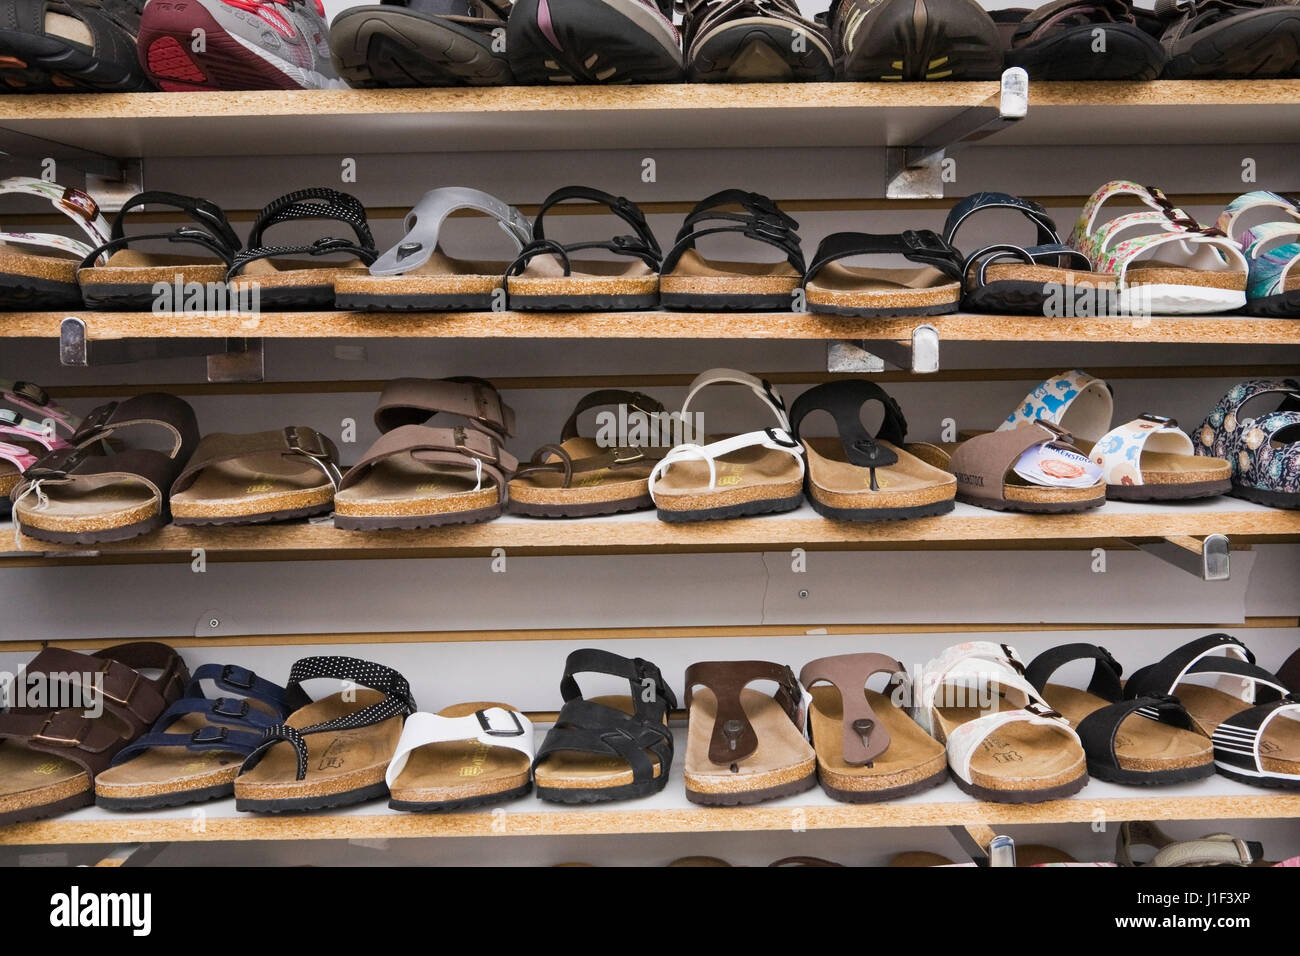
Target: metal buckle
[492, 411]
[33, 393]
[776, 439]
[314, 447]
[769, 226]
[9, 417]
[237, 676]
[236, 708]
[1157, 419]
[209, 735]
[488, 729]
[1041, 710]
[58, 741]
[639, 456]
[491, 457]
[79, 204]
[96, 419]
[630, 244]
[135, 682]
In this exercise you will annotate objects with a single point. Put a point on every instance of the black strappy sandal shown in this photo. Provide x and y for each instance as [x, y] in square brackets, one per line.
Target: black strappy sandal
[933, 287]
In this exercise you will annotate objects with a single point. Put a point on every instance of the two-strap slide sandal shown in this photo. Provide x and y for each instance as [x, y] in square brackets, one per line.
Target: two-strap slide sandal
[47, 278]
[466, 755]
[607, 748]
[1267, 227]
[1080, 40]
[934, 287]
[334, 751]
[31, 425]
[1262, 444]
[1144, 740]
[856, 476]
[417, 275]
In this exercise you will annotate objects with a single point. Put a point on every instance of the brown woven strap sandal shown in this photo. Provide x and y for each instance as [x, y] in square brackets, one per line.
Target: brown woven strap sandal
[420, 476]
[265, 476]
[744, 746]
[868, 748]
[594, 476]
[49, 757]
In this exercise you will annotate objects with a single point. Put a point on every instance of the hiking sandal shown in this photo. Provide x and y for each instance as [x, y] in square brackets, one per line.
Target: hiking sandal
[249, 479]
[1201, 271]
[580, 476]
[88, 493]
[543, 278]
[416, 275]
[1251, 717]
[1005, 743]
[356, 732]
[758, 472]
[47, 281]
[749, 41]
[690, 282]
[63, 45]
[50, 758]
[115, 276]
[574, 41]
[868, 749]
[933, 289]
[1143, 740]
[915, 40]
[744, 746]
[420, 476]
[1058, 41]
[30, 426]
[195, 749]
[467, 755]
[860, 477]
[1008, 278]
[297, 284]
[1271, 241]
[607, 748]
[1215, 849]
[1263, 451]
[1226, 39]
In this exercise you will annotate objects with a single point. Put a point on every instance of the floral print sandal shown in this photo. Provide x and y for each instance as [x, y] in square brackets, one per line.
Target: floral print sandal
[1263, 451]
[1267, 227]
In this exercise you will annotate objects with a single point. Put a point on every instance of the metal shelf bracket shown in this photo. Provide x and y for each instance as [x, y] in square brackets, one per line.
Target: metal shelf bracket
[109, 179]
[921, 355]
[1207, 558]
[229, 360]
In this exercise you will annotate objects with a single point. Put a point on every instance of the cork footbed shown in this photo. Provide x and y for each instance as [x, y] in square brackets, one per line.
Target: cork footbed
[275, 273]
[53, 268]
[913, 760]
[1015, 489]
[89, 504]
[1170, 468]
[694, 274]
[1142, 744]
[400, 486]
[748, 474]
[860, 287]
[457, 770]
[338, 761]
[1155, 272]
[544, 277]
[30, 780]
[262, 484]
[440, 274]
[9, 477]
[1047, 275]
[782, 758]
[572, 770]
[911, 482]
[1279, 751]
[626, 484]
[128, 266]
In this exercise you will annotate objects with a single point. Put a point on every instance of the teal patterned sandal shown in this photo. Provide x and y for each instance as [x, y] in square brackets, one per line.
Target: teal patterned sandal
[1257, 221]
[1265, 451]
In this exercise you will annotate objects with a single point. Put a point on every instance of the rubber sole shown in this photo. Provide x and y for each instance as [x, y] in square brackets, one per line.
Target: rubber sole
[392, 523]
[880, 796]
[1100, 771]
[945, 308]
[584, 303]
[746, 797]
[1021, 796]
[1130, 54]
[591, 41]
[384, 46]
[20, 292]
[745, 509]
[1190, 491]
[68, 65]
[925, 40]
[1272, 783]
[760, 50]
[584, 510]
[685, 302]
[1290, 500]
[1284, 305]
[103, 536]
[1030, 508]
[628, 791]
[286, 298]
[880, 514]
[267, 518]
[1258, 43]
[325, 801]
[46, 810]
[465, 803]
[364, 302]
[178, 798]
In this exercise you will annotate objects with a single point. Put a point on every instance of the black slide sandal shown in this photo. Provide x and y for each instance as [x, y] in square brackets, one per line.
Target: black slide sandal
[1059, 41]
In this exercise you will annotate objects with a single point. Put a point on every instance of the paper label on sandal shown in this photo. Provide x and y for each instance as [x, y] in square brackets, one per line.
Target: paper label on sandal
[1057, 468]
[801, 715]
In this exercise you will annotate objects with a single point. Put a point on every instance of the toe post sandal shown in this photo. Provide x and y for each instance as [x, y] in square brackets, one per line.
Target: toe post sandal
[1262, 447]
[1005, 743]
[758, 472]
[868, 748]
[467, 755]
[1144, 740]
[50, 758]
[47, 277]
[933, 288]
[332, 752]
[1271, 244]
[31, 425]
[860, 477]
[607, 748]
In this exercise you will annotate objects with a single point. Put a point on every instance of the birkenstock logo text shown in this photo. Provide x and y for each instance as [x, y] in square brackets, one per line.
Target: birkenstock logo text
[54, 690]
[630, 427]
[75, 909]
[206, 297]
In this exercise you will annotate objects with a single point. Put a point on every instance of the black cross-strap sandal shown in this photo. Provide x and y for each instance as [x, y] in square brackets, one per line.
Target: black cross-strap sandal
[932, 289]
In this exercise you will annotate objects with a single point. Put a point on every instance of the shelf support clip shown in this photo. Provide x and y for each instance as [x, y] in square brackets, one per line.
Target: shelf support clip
[229, 360]
[1207, 558]
[920, 355]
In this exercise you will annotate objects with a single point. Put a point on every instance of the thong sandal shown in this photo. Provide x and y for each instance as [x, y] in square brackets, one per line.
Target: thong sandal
[543, 277]
[83, 495]
[690, 282]
[932, 289]
[50, 758]
[1144, 740]
[420, 476]
[195, 748]
[860, 477]
[248, 479]
[607, 748]
[1263, 451]
[355, 731]
[758, 472]
[1251, 717]
[47, 280]
[30, 426]
[416, 275]
[744, 746]
[1058, 41]
[467, 755]
[1005, 743]
[868, 749]
[1270, 240]
[581, 476]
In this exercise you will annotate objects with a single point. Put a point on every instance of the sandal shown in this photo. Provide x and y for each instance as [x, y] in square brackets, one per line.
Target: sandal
[1204, 271]
[114, 276]
[1252, 718]
[581, 477]
[914, 40]
[868, 749]
[748, 41]
[61, 45]
[30, 426]
[933, 289]
[88, 493]
[744, 746]
[1273, 285]
[860, 477]
[544, 279]
[1058, 41]
[759, 472]
[1264, 451]
[1215, 849]
[297, 284]
[420, 476]
[50, 758]
[690, 282]
[195, 748]
[1005, 743]
[416, 275]
[361, 728]
[1144, 740]
[607, 748]
[1226, 39]
[463, 756]
[29, 281]
[249, 479]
